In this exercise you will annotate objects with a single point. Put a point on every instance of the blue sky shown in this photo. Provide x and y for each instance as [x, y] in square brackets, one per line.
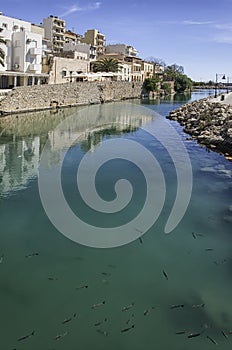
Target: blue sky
[196, 34]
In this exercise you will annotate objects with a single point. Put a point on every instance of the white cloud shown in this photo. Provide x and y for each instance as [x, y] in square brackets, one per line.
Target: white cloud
[76, 8]
[196, 23]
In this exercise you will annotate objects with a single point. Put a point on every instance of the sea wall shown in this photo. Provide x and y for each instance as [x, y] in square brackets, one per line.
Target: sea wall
[40, 97]
[209, 122]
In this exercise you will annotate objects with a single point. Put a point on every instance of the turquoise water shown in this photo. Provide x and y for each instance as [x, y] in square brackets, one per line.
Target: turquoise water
[42, 272]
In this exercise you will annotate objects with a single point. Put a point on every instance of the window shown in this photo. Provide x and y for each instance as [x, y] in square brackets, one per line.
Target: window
[4, 25]
[64, 73]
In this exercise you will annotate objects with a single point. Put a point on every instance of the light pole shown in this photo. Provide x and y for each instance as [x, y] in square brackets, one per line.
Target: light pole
[218, 76]
[228, 84]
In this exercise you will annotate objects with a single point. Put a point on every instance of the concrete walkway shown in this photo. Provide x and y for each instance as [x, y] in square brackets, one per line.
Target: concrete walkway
[227, 98]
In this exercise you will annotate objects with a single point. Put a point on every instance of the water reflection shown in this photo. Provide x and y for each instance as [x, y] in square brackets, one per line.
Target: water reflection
[23, 137]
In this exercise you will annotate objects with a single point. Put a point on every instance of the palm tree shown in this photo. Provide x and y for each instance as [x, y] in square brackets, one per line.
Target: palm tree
[106, 65]
[2, 53]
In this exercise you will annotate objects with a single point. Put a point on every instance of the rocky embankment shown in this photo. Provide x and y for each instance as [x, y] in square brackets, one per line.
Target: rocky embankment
[210, 123]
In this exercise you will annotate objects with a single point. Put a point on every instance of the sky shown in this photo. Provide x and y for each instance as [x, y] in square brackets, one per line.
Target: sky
[195, 34]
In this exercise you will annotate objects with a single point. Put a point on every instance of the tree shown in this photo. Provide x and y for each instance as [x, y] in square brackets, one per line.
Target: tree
[106, 65]
[151, 84]
[2, 53]
[182, 83]
[156, 60]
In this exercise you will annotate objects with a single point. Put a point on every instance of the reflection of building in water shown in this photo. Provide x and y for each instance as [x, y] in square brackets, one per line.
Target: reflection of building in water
[19, 159]
[19, 162]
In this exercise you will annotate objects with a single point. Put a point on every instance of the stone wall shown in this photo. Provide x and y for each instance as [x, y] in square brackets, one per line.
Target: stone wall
[32, 98]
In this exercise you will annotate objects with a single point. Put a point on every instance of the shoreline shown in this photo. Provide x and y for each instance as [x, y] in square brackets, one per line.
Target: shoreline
[209, 121]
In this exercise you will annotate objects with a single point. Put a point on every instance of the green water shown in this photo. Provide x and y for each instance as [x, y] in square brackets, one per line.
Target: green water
[39, 292]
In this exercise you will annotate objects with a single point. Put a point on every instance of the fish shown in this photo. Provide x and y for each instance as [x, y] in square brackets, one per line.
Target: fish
[94, 306]
[224, 334]
[31, 255]
[100, 322]
[194, 236]
[194, 335]
[60, 336]
[26, 336]
[176, 306]
[147, 311]
[129, 320]
[140, 240]
[106, 274]
[181, 332]
[165, 275]
[52, 279]
[198, 305]
[125, 308]
[127, 329]
[66, 320]
[209, 249]
[212, 340]
[85, 286]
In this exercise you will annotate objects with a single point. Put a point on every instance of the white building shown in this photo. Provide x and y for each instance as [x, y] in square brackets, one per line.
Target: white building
[23, 54]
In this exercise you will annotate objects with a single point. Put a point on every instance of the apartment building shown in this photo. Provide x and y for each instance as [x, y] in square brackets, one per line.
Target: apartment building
[95, 38]
[55, 29]
[124, 49]
[23, 54]
[147, 70]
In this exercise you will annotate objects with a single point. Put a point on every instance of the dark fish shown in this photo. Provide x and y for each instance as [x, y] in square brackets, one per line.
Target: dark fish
[31, 255]
[106, 273]
[165, 275]
[26, 336]
[60, 336]
[100, 322]
[66, 320]
[181, 332]
[212, 340]
[52, 279]
[82, 287]
[194, 335]
[194, 236]
[97, 305]
[128, 321]
[125, 308]
[127, 329]
[209, 249]
[147, 311]
[224, 334]
[140, 240]
[198, 305]
[176, 306]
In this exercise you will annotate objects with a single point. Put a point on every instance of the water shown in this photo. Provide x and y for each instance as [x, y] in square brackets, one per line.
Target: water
[41, 270]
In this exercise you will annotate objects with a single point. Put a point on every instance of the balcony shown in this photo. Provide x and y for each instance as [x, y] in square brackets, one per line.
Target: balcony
[34, 51]
[35, 67]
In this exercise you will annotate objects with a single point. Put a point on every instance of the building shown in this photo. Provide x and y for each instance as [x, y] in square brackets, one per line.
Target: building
[23, 54]
[94, 38]
[55, 29]
[71, 37]
[90, 50]
[67, 70]
[124, 49]
[147, 70]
